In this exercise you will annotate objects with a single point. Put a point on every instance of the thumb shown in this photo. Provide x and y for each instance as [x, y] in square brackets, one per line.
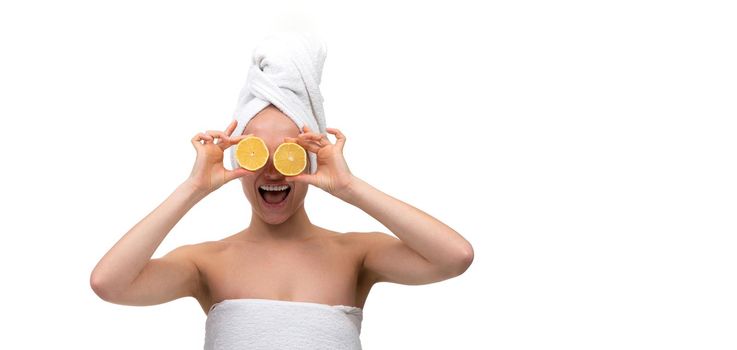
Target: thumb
[302, 178]
[234, 174]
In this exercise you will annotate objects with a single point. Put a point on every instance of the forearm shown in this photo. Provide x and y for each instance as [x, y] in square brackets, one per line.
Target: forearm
[429, 237]
[125, 260]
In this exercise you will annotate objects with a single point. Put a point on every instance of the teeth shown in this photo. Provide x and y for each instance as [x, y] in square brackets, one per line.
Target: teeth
[273, 187]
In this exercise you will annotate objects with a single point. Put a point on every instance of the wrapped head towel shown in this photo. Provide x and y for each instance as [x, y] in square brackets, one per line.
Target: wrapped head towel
[286, 71]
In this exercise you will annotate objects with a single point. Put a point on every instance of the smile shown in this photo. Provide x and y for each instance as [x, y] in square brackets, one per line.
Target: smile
[274, 195]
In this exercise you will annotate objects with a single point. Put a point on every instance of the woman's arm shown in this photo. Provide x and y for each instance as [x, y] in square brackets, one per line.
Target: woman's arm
[123, 263]
[429, 250]
[127, 274]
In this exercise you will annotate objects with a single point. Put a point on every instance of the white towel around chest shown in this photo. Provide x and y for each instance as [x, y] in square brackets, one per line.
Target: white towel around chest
[236, 324]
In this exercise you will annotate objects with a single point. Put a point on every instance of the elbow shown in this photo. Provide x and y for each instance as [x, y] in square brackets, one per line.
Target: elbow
[463, 261]
[97, 286]
[100, 287]
[466, 258]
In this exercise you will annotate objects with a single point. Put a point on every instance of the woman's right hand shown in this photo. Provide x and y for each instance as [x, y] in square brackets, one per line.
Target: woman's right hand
[208, 173]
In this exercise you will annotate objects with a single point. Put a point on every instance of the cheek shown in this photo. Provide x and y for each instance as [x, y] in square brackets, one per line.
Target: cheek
[300, 190]
[247, 186]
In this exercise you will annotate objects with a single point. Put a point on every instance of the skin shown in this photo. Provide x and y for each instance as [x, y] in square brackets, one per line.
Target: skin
[281, 254]
[292, 223]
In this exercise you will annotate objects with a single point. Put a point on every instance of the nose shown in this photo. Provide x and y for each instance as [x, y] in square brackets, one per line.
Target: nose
[270, 171]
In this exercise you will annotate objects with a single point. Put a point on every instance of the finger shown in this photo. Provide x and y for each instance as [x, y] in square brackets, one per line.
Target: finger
[306, 130]
[231, 127]
[234, 140]
[223, 141]
[230, 141]
[302, 178]
[324, 139]
[217, 135]
[321, 139]
[205, 138]
[306, 144]
[236, 173]
[338, 135]
[240, 137]
[197, 140]
[310, 135]
[309, 146]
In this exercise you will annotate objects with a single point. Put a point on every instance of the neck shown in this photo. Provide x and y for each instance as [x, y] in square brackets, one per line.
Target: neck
[297, 227]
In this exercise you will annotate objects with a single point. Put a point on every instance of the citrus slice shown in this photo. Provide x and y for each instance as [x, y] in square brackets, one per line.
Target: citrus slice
[251, 153]
[290, 159]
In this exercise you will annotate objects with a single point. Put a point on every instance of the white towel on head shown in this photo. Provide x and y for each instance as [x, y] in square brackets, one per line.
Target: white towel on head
[286, 71]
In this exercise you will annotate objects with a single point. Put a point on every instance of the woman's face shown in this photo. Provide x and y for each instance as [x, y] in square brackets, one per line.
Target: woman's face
[273, 126]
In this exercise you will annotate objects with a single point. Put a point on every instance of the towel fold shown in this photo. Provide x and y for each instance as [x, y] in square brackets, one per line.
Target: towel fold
[286, 72]
[277, 324]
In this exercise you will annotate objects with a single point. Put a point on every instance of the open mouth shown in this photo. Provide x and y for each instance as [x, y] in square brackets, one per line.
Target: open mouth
[274, 194]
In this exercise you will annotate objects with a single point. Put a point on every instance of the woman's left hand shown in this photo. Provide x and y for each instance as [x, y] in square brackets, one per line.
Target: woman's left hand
[333, 175]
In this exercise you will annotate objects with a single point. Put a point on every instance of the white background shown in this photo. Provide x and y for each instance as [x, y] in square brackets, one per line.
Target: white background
[586, 150]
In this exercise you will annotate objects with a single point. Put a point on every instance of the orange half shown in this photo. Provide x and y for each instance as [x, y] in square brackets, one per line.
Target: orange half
[251, 153]
[290, 159]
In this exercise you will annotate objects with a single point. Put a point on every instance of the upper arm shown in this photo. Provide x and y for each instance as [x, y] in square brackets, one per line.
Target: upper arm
[388, 259]
[173, 276]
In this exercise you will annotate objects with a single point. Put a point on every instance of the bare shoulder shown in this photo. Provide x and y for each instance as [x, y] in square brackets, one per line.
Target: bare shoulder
[363, 244]
[352, 238]
[194, 249]
[198, 251]
[198, 254]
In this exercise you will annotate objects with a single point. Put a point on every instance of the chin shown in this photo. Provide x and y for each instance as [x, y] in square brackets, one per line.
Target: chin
[274, 218]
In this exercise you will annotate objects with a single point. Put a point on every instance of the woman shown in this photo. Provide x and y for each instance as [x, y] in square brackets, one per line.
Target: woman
[282, 282]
